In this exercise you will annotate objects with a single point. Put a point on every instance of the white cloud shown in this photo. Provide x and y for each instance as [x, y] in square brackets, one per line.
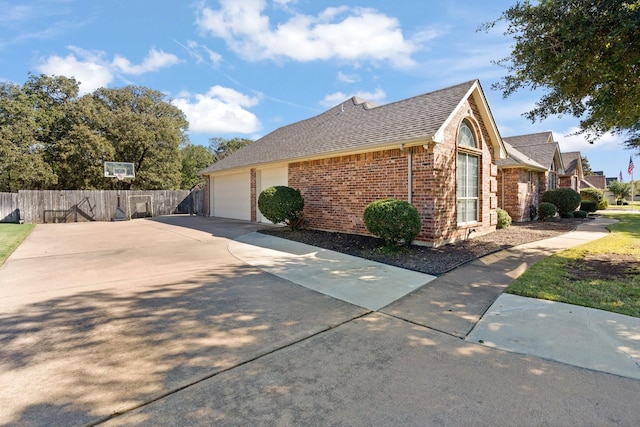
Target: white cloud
[220, 110]
[13, 13]
[348, 78]
[336, 98]
[93, 70]
[90, 73]
[570, 141]
[154, 60]
[348, 34]
[214, 57]
[194, 49]
[284, 4]
[428, 34]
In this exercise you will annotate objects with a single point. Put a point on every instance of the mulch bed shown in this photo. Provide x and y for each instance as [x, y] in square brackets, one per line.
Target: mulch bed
[434, 261]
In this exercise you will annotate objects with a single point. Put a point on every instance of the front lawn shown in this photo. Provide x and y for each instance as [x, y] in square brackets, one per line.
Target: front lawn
[604, 274]
[11, 235]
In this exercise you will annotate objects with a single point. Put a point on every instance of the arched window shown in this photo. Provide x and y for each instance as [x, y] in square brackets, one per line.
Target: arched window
[466, 136]
[468, 175]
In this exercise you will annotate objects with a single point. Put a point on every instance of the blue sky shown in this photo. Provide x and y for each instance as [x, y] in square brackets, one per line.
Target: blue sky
[242, 68]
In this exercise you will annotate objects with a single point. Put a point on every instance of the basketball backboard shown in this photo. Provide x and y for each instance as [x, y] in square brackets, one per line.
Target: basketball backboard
[119, 170]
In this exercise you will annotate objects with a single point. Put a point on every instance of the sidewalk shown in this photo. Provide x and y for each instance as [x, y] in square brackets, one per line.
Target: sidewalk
[467, 302]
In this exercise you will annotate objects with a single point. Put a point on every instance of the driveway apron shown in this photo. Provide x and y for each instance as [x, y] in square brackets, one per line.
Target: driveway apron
[154, 322]
[98, 318]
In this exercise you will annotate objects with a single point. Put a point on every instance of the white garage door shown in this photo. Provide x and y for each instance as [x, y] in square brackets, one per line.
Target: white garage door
[270, 178]
[232, 196]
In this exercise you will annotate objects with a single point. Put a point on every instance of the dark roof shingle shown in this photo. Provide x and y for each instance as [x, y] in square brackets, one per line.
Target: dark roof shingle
[570, 161]
[353, 125]
[539, 147]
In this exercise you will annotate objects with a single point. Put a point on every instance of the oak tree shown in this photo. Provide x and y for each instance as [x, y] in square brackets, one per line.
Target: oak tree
[585, 57]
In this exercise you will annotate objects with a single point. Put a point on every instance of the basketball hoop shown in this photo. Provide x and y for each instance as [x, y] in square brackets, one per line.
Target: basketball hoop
[120, 175]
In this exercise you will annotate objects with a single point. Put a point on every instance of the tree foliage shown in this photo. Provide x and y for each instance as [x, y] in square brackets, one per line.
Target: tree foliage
[22, 155]
[620, 190]
[585, 55]
[195, 158]
[50, 138]
[586, 167]
[144, 129]
[221, 147]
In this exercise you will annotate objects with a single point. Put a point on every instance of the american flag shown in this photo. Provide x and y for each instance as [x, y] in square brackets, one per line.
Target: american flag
[630, 169]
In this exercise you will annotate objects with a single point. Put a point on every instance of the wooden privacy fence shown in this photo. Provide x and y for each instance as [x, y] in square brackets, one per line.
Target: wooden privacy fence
[36, 206]
[9, 211]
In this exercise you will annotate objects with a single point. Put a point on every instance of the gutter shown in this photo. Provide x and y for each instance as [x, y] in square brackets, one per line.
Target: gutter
[413, 142]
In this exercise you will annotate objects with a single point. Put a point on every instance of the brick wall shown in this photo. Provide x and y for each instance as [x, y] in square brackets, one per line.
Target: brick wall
[518, 190]
[337, 190]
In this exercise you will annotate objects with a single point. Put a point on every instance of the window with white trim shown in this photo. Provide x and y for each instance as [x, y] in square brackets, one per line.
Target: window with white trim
[467, 176]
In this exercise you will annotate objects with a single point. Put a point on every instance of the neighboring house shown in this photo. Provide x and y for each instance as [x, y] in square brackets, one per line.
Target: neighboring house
[597, 180]
[436, 151]
[533, 166]
[573, 177]
[520, 179]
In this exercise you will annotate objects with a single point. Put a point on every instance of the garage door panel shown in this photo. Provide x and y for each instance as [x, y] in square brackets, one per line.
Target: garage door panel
[232, 196]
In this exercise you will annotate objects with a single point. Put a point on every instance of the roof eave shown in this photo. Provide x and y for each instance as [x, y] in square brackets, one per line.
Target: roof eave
[401, 145]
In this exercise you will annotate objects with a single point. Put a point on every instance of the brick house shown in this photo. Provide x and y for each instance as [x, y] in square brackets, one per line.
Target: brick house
[597, 180]
[573, 176]
[533, 165]
[437, 151]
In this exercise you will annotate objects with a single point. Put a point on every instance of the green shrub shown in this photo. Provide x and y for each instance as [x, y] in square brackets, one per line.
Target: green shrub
[566, 215]
[395, 221]
[565, 199]
[281, 204]
[546, 211]
[596, 195]
[589, 206]
[504, 219]
[580, 214]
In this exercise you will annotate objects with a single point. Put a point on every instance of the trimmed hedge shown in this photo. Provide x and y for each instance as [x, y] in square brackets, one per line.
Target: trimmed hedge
[282, 204]
[596, 195]
[504, 219]
[589, 205]
[580, 214]
[566, 200]
[546, 211]
[395, 221]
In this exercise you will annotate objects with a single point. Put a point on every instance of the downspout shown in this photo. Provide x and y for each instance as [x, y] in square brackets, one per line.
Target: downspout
[502, 191]
[409, 172]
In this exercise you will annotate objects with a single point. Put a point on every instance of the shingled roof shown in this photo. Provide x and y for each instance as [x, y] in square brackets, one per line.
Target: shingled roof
[516, 159]
[570, 161]
[539, 147]
[357, 125]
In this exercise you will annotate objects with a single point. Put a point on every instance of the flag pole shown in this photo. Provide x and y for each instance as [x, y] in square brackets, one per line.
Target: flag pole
[633, 208]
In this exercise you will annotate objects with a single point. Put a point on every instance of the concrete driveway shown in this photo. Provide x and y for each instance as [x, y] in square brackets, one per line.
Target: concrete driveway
[154, 322]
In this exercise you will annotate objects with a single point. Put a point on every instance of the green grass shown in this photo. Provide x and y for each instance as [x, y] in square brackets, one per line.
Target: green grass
[11, 235]
[559, 278]
[631, 206]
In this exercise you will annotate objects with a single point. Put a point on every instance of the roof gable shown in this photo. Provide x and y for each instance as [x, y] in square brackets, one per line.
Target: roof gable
[539, 147]
[357, 125]
[517, 159]
[572, 162]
